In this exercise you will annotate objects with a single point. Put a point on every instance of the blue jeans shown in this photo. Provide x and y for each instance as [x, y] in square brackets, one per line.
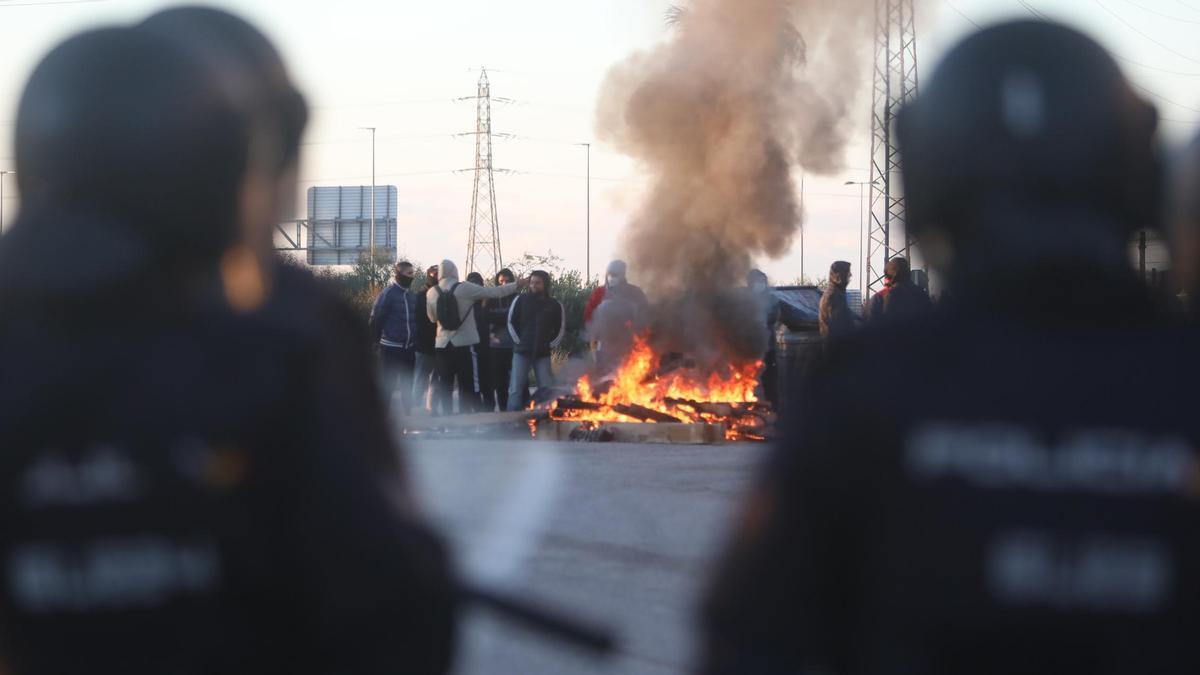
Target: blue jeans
[518, 384]
[397, 366]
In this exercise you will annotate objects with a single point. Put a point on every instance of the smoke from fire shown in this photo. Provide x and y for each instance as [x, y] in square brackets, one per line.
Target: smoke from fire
[741, 95]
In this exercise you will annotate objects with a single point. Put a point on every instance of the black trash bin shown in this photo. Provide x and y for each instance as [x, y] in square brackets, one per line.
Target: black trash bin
[797, 340]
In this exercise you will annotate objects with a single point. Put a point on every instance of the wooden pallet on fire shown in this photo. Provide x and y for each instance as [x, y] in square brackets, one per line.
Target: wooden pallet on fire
[677, 421]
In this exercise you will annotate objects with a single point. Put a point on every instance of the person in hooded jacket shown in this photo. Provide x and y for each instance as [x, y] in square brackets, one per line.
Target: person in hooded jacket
[1029, 504]
[500, 339]
[393, 326]
[206, 509]
[900, 297]
[486, 393]
[537, 324]
[613, 314]
[616, 286]
[458, 340]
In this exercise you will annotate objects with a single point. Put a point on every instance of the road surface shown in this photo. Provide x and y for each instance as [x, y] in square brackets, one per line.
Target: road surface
[621, 534]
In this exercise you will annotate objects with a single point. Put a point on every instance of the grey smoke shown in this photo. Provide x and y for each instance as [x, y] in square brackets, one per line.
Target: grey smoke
[739, 96]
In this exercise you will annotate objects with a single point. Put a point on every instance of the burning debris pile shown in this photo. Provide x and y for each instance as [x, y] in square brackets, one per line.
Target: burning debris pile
[643, 390]
[719, 115]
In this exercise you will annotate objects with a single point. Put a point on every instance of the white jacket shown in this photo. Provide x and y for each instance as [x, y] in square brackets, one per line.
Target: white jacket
[467, 294]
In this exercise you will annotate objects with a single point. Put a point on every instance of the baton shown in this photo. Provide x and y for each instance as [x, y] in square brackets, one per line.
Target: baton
[596, 639]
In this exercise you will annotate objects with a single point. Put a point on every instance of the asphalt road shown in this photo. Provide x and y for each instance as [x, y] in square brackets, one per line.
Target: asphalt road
[620, 534]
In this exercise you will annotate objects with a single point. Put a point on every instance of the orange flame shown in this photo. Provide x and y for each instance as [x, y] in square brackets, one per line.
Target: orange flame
[637, 383]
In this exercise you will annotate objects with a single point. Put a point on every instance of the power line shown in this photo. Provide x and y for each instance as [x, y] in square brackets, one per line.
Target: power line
[384, 104]
[1033, 10]
[1042, 16]
[568, 175]
[960, 13]
[1135, 29]
[1162, 14]
[437, 172]
[1168, 71]
[1164, 99]
[5, 3]
[392, 139]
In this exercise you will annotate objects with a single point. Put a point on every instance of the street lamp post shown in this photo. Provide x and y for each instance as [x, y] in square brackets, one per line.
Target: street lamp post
[2, 175]
[372, 130]
[802, 228]
[862, 261]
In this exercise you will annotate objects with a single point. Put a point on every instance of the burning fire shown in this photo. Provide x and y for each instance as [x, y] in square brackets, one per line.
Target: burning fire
[641, 392]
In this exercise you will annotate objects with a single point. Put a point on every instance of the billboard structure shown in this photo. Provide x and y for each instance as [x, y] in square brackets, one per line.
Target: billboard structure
[339, 224]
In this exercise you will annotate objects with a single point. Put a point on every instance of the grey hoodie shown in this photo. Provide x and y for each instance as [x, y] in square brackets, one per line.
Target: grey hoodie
[467, 295]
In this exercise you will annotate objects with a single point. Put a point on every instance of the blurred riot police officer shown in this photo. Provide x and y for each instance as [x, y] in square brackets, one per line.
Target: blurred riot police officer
[185, 485]
[1010, 485]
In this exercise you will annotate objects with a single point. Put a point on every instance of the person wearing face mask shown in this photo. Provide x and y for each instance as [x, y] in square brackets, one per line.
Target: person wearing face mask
[616, 286]
[393, 327]
[612, 316]
[537, 324]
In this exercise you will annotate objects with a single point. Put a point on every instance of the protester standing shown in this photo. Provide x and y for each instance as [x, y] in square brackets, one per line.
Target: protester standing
[616, 286]
[612, 315]
[485, 393]
[500, 339]
[393, 326]
[901, 297]
[451, 304]
[836, 319]
[537, 323]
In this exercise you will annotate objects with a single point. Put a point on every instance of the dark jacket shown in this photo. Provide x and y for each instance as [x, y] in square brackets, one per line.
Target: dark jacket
[426, 329]
[904, 299]
[244, 458]
[496, 312]
[394, 318]
[537, 324]
[1027, 505]
[837, 320]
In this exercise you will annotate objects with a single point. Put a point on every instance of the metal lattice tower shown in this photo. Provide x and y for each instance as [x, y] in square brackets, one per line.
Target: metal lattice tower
[483, 239]
[895, 84]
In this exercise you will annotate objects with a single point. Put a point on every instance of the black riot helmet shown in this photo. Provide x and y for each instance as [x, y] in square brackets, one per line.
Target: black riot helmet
[124, 127]
[249, 66]
[1028, 113]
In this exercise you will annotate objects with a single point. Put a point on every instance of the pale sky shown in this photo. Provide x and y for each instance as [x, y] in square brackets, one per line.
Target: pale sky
[398, 64]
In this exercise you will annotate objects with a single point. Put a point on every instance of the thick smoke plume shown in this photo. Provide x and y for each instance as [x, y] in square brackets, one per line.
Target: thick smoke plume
[741, 95]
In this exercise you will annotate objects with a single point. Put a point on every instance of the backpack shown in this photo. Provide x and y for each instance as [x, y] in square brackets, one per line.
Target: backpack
[447, 309]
